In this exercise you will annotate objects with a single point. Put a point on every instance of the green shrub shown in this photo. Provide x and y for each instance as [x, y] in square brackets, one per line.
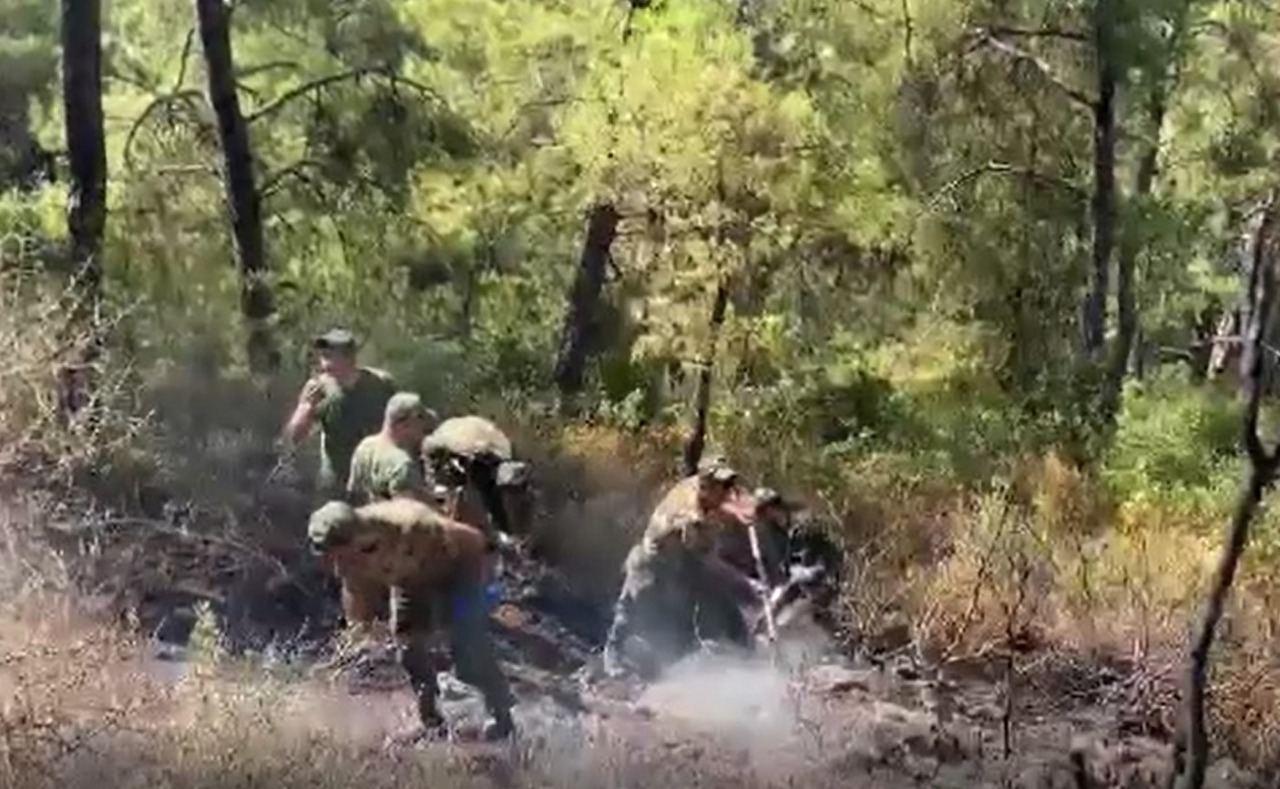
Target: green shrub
[1174, 443]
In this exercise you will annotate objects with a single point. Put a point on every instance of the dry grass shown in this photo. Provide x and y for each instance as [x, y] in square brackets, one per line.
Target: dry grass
[85, 710]
[1043, 564]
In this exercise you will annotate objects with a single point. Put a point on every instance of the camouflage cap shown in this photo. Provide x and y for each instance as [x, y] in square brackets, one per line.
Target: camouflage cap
[513, 473]
[717, 469]
[335, 339]
[404, 405]
[331, 525]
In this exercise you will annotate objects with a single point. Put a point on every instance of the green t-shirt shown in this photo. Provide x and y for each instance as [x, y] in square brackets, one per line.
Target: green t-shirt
[380, 470]
[346, 416]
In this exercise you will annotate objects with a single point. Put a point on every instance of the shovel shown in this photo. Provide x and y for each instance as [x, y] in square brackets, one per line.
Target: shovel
[766, 597]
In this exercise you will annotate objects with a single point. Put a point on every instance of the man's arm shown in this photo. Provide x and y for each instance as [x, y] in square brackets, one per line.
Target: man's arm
[305, 413]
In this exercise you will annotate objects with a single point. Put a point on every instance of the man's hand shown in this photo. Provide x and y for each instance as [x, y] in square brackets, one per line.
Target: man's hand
[740, 506]
[304, 415]
[313, 393]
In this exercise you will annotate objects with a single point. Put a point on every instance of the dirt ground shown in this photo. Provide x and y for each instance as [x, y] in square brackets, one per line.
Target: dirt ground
[93, 700]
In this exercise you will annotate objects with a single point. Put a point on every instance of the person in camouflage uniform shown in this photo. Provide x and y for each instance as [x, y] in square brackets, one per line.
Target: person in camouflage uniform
[386, 464]
[673, 577]
[471, 455]
[346, 400]
[433, 564]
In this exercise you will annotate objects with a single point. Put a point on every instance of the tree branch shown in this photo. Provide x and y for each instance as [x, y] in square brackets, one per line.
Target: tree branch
[323, 82]
[182, 60]
[1001, 168]
[294, 170]
[908, 31]
[1022, 32]
[273, 65]
[156, 103]
[1043, 68]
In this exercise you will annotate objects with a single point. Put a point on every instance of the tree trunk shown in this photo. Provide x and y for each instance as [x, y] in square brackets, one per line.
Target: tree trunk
[257, 303]
[1262, 470]
[81, 30]
[86, 149]
[1103, 202]
[584, 297]
[1130, 245]
[702, 399]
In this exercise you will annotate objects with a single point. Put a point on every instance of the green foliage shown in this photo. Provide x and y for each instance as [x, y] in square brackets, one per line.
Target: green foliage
[899, 209]
[1174, 441]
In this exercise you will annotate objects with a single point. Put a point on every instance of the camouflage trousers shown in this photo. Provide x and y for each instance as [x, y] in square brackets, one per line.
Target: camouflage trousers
[417, 614]
[668, 604]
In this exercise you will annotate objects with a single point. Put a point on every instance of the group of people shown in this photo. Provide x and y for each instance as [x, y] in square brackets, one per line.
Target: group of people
[416, 511]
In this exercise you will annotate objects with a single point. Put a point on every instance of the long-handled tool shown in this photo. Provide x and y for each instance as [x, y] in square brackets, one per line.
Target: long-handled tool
[771, 627]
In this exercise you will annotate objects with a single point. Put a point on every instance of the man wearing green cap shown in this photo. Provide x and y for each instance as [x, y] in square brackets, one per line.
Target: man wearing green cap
[434, 565]
[347, 400]
[674, 570]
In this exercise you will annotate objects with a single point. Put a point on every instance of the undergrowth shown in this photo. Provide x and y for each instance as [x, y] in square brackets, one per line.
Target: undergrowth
[965, 530]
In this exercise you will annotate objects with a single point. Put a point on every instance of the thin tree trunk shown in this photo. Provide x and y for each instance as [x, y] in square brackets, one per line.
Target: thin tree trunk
[1262, 470]
[584, 297]
[1103, 202]
[86, 149]
[1127, 322]
[1130, 245]
[81, 30]
[257, 303]
[702, 399]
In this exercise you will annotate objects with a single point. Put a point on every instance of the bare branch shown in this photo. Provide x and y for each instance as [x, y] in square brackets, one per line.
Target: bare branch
[1044, 32]
[317, 85]
[296, 170]
[187, 169]
[1043, 68]
[157, 103]
[273, 65]
[908, 31]
[182, 60]
[1001, 168]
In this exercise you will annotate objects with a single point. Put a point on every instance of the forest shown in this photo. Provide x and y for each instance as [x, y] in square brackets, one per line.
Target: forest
[986, 283]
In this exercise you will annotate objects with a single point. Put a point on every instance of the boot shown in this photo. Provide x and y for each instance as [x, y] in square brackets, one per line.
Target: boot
[499, 727]
[429, 715]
